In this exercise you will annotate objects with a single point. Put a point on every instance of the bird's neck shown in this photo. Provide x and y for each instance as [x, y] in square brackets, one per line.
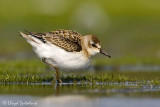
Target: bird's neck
[84, 44]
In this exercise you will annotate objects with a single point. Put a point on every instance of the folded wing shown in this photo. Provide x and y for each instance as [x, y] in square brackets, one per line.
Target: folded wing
[65, 39]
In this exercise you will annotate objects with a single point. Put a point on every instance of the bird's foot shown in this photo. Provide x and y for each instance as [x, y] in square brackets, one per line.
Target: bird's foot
[59, 81]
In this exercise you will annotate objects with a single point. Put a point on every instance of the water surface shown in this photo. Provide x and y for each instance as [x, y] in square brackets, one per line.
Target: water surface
[79, 95]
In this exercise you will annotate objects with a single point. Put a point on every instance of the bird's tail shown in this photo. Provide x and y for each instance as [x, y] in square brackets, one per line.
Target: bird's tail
[28, 37]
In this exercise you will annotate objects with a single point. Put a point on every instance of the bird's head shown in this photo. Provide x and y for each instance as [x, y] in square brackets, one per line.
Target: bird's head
[93, 46]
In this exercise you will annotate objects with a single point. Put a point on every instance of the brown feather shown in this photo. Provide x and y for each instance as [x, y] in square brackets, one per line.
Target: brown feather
[66, 39]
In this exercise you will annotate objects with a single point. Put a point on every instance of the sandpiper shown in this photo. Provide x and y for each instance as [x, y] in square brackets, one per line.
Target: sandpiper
[64, 49]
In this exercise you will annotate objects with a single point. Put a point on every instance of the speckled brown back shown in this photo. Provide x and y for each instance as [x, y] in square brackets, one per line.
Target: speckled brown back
[66, 39]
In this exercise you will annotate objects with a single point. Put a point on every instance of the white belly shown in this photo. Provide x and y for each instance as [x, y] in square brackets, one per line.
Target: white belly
[61, 58]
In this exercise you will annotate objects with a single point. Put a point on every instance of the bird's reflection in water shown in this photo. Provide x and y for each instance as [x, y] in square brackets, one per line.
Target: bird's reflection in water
[57, 87]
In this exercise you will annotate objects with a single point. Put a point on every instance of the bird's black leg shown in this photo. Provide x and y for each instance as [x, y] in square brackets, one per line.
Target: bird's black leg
[58, 80]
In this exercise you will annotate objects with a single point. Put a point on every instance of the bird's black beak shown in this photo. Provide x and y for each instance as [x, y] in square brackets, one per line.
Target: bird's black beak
[104, 53]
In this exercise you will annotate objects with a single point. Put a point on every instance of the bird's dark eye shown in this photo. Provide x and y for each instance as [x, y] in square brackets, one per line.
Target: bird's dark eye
[93, 45]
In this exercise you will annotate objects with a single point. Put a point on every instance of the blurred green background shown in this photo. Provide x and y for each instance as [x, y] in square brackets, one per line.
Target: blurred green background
[128, 30]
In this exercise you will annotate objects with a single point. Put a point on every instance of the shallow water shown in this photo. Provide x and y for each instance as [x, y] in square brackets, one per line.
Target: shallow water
[80, 95]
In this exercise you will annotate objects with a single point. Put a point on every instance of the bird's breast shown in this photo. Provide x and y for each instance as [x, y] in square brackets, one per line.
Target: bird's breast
[63, 59]
[72, 61]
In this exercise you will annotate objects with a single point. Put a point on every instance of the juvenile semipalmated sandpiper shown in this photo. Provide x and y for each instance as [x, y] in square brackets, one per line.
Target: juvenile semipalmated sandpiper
[64, 49]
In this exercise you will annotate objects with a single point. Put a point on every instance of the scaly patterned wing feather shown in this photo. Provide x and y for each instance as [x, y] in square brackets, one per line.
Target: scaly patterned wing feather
[63, 43]
[68, 34]
[66, 39]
